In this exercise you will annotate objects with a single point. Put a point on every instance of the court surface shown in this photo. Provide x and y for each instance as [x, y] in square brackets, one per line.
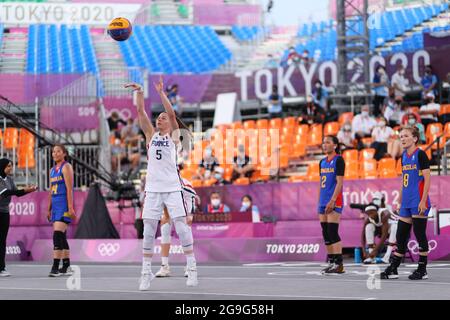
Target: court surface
[290, 280]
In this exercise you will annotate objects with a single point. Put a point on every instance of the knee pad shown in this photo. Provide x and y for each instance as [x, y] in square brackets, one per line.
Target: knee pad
[58, 240]
[370, 233]
[333, 232]
[148, 243]
[403, 231]
[420, 231]
[184, 233]
[166, 229]
[65, 243]
[325, 235]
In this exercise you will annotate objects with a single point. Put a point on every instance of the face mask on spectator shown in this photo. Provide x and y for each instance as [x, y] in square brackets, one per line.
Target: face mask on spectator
[218, 176]
[347, 128]
[245, 204]
[215, 202]
[318, 85]
[208, 152]
[305, 54]
[412, 121]
[381, 71]
[365, 113]
[401, 72]
[382, 124]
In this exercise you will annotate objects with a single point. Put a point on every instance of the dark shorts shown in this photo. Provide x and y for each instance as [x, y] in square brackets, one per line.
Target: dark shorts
[409, 212]
[321, 210]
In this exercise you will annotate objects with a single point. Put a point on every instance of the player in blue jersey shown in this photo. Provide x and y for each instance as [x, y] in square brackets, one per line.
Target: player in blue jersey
[414, 204]
[60, 209]
[332, 169]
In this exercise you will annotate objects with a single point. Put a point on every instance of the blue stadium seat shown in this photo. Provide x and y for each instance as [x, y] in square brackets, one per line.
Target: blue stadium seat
[60, 49]
[176, 49]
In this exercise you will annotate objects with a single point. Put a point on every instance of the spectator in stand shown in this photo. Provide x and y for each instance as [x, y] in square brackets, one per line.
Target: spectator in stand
[216, 205]
[175, 99]
[312, 113]
[345, 136]
[218, 176]
[395, 149]
[207, 165]
[331, 115]
[430, 111]
[114, 121]
[412, 121]
[248, 206]
[406, 112]
[242, 166]
[306, 58]
[293, 57]
[362, 126]
[130, 132]
[320, 94]
[275, 107]
[394, 110]
[381, 134]
[429, 82]
[381, 89]
[399, 82]
[118, 151]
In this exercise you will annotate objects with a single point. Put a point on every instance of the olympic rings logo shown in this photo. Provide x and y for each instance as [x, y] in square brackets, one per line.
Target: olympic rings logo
[124, 113]
[413, 246]
[108, 249]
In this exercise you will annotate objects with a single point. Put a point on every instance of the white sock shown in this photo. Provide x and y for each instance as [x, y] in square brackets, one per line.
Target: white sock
[190, 260]
[388, 251]
[146, 264]
[165, 261]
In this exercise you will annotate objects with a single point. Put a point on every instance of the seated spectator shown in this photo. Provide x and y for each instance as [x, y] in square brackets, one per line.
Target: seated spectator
[406, 114]
[271, 62]
[320, 95]
[216, 205]
[430, 111]
[293, 57]
[175, 99]
[362, 125]
[275, 107]
[331, 114]
[394, 110]
[345, 136]
[429, 82]
[242, 167]
[114, 121]
[118, 151]
[381, 134]
[218, 176]
[207, 165]
[306, 58]
[130, 132]
[399, 82]
[248, 206]
[312, 113]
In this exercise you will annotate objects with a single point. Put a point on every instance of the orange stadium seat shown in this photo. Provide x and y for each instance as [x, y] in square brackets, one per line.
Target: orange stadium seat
[313, 172]
[368, 169]
[262, 124]
[331, 128]
[434, 129]
[303, 130]
[398, 167]
[299, 150]
[315, 135]
[237, 125]
[242, 181]
[276, 123]
[26, 160]
[414, 109]
[445, 109]
[366, 154]
[11, 138]
[249, 124]
[447, 129]
[344, 117]
[197, 183]
[428, 152]
[350, 155]
[209, 182]
[296, 178]
[290, 122]
[351, 170]
[387, 168]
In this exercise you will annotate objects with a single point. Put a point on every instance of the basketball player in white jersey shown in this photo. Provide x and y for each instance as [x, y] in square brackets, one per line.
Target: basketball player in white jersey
[163, 186]
[192, 200]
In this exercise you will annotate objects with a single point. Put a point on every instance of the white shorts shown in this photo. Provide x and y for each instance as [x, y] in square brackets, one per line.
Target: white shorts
[155, 202]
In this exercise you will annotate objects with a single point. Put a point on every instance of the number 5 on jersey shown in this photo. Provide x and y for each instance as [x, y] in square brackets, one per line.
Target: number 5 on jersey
[158, 155]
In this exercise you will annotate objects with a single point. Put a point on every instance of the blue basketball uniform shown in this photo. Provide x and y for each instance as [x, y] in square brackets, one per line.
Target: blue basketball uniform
[413, 182]
[60, 209]
[329, 170]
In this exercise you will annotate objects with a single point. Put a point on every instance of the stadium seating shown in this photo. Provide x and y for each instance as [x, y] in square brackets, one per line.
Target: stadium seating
[246, 33]
[319, 38]
[175, 49]
[60, 49]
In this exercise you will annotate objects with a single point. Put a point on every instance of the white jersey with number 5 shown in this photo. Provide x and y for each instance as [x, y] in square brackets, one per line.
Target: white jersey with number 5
[162, 170]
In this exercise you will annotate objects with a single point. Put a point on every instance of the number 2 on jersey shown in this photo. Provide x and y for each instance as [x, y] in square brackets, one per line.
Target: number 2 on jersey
[324, 180]
[158, 155]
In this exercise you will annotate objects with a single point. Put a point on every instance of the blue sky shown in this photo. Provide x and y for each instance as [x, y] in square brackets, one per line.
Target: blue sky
[291, 12]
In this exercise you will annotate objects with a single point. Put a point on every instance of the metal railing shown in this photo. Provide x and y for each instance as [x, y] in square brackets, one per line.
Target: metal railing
[441, 153]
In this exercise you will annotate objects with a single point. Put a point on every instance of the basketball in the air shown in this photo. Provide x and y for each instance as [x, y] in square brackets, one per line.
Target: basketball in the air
[120, 29]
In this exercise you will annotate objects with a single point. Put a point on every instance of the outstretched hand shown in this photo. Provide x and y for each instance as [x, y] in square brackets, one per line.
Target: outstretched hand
[133, 86]
[160, 85]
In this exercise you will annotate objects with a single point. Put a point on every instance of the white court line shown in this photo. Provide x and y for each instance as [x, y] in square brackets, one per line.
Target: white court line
[187, 293]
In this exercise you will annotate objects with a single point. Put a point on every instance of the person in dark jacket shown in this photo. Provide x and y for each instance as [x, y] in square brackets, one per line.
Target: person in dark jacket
[7, 189]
